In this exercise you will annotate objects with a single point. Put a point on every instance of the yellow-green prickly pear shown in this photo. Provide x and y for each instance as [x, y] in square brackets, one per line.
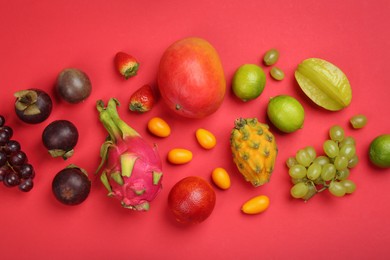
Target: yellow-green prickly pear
[254, 150]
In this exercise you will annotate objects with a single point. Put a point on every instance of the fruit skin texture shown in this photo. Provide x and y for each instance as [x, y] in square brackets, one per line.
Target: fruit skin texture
[142, 100]
[255, 205]
[254, 150]
[191, 78]
[379, 151]
[126, 65]
[131, 168]
[191, 200]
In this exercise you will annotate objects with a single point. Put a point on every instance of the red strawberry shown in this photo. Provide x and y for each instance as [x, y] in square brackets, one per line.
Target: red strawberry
[126, 64]
[142, 100]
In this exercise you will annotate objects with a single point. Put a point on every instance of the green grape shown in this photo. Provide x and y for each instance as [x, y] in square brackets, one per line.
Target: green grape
[311, 151]
[353, 161]
[298, 180]
[321, 160]
[297, 171]
[319, 181]
[358, 121]
[310, 193]
[276, 73]
[347, 150]
[303, 157]
[337, 189]
[271, 57]
[348, 140]
[299, 190]
[291, 162]
[331, 148]
[328, 172]
[342, 174]
[336, 133]
[340, 162]
[349, 185]
[314, 171]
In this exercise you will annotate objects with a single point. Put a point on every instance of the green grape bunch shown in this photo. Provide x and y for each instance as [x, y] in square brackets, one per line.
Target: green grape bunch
[311, 174]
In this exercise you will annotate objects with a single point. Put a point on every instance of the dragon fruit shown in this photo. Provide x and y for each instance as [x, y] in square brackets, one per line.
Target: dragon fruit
[132, 168]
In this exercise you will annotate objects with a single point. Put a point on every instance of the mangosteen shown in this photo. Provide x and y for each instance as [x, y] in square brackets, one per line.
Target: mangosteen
[71, 186]
[33, 106]
[60, 137]
[73, 85]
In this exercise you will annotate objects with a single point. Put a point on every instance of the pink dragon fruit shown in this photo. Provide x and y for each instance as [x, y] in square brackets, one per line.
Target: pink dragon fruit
[132, 168]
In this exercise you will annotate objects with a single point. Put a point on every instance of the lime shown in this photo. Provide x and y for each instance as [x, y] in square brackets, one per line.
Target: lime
[380, 151]
[285, 113]
[248, 82]
[324, 83]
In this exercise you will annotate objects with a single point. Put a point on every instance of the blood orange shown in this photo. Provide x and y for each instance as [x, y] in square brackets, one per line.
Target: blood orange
[191, 200]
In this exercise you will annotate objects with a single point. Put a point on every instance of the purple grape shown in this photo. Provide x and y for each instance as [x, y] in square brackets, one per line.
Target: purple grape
[2, 120]
[26, 185]
[12, 146]
[11, 179]
[4, 136]
[3, 158]
[4, 170]
[18, 158]
[26, 171]
[8, 130]
[14, 169]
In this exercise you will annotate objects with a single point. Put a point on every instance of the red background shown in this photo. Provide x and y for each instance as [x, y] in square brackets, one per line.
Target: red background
[40, 38]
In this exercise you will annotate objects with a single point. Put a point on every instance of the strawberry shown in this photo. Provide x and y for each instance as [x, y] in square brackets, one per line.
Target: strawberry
[142, 100]
[126, 64]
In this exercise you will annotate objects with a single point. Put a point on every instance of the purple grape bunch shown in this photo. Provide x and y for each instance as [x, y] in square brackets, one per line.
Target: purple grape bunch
[15, 171]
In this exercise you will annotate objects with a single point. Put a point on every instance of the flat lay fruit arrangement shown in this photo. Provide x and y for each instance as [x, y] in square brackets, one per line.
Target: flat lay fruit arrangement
[191, 83]
[194, 129]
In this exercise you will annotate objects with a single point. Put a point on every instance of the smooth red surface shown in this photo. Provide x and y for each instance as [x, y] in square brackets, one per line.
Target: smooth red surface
[40, 38]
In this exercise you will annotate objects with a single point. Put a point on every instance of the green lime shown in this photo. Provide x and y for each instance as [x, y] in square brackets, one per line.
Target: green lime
[248, 82]
[380, 151]
[324, 83]
[285, 113]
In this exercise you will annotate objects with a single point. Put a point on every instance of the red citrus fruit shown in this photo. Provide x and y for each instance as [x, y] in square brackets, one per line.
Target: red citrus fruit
[191, 200]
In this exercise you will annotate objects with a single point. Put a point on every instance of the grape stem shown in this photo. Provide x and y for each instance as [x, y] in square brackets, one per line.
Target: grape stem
[322, 189]
[11, 167]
